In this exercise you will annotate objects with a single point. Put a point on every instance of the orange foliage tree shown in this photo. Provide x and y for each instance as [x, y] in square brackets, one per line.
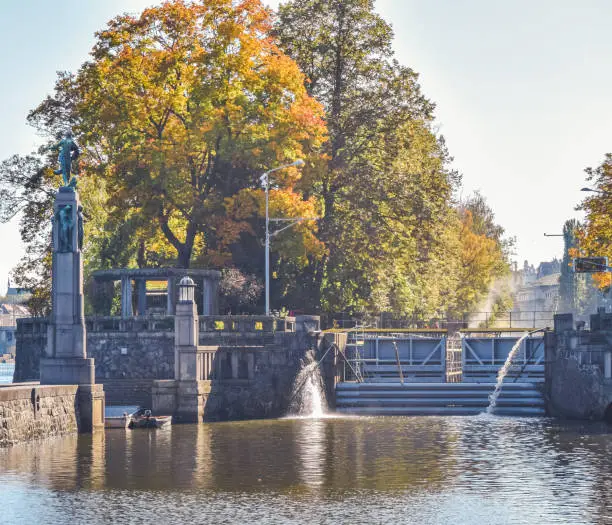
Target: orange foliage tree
[481, 261]
[595, 235]
[179, 111]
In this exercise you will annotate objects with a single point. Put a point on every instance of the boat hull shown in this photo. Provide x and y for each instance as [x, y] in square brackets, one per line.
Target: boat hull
[151, 422]
[117, 422]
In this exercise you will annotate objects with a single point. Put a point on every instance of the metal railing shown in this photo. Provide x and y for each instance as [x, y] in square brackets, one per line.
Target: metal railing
[526, 319]
[523, 319]
[401, 356]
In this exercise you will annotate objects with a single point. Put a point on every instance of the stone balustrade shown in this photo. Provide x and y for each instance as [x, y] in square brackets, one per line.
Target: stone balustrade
[134, 324]
[208, 323]
[246, 324]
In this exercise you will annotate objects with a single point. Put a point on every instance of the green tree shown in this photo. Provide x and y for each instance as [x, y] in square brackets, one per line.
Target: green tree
[385, 186]
[26, 192]
[568, 293]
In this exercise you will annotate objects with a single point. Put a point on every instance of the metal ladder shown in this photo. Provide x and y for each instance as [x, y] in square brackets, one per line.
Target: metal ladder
[358, 341]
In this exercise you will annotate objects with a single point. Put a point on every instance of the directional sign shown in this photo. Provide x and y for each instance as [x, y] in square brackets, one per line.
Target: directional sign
[591, 264]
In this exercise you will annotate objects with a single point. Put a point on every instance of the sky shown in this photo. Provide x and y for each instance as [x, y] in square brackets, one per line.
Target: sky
[522, 91]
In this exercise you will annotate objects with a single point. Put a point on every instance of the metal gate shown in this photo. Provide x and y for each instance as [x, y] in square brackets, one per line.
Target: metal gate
[484, 354]
[376, 356]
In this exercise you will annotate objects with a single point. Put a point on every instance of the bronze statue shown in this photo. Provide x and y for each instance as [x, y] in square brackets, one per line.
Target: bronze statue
[68, 152]
[64, 229]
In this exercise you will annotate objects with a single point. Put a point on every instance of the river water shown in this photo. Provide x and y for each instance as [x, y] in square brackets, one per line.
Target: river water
[422, 470]
[6, 373]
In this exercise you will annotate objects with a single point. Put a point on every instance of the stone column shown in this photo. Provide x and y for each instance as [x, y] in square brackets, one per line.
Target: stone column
[206, 297]
[210, 293]
[188, 388]
[141, 288]
[65, 361]
[171, 295]
[234, 358]
[186, 335]
[126, 297]
[215, 294]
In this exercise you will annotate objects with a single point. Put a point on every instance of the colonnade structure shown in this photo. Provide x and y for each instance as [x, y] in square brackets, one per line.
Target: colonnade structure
[206, 280]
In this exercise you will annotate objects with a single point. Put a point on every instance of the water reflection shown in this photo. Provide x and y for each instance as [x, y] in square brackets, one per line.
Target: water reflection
[445, 470]
[311, 444]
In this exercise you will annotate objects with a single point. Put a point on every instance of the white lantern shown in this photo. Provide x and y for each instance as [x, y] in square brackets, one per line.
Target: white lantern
[186, 290]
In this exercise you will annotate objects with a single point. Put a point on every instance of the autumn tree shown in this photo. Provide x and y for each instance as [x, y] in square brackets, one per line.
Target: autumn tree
[594, 238]
[484, 256]
[178, 111]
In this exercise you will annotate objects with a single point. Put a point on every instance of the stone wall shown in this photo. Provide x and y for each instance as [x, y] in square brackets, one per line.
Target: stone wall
[31, 411]
[577, 383]
[132, 355]
[255, 383]
[578, 391]
[128, 391]
[257, 361]
[128, 357]
[142, 348]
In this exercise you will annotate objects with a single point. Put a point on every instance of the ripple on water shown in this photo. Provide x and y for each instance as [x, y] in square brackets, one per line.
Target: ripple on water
[327, 470]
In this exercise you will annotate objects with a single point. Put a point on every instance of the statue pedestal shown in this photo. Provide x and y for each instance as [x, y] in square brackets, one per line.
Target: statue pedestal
[67, 371]
[66, 361]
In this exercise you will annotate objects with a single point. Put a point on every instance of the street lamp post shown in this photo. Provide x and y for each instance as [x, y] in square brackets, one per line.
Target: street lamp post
[601, 192]
[265, 180]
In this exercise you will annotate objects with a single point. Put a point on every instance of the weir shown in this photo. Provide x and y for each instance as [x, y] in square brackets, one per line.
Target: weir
[410, 372]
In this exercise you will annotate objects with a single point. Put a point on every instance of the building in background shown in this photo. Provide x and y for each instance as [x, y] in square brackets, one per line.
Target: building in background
[536, 295]
[11, 309]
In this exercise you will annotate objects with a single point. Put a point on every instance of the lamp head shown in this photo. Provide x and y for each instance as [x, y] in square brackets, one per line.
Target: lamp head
[298, 162]
[587, 189]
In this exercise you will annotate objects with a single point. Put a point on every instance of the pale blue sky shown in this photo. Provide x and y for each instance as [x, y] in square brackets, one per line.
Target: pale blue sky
[522, 91]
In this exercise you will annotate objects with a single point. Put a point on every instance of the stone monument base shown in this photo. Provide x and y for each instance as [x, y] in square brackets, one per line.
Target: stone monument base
[91, 406]
[67, 371]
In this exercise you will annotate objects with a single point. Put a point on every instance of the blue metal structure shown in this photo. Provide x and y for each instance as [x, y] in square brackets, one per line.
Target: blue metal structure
[414, 373]
[483, 354]
[375, 356]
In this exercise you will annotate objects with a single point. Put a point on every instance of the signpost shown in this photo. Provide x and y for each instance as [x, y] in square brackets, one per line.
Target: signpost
[591, 265]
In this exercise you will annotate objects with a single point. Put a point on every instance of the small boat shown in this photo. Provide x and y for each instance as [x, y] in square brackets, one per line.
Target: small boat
[119, 416]
[146, 420]
[118, 421]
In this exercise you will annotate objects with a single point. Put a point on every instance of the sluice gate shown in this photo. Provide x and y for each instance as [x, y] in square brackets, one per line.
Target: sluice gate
[428, 372]
[484, 353]
[382, 356]
[458, 399]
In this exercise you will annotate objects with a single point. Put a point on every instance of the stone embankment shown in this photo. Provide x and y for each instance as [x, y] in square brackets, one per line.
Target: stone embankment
[579, 368]
[30, 411]
[248, 363]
